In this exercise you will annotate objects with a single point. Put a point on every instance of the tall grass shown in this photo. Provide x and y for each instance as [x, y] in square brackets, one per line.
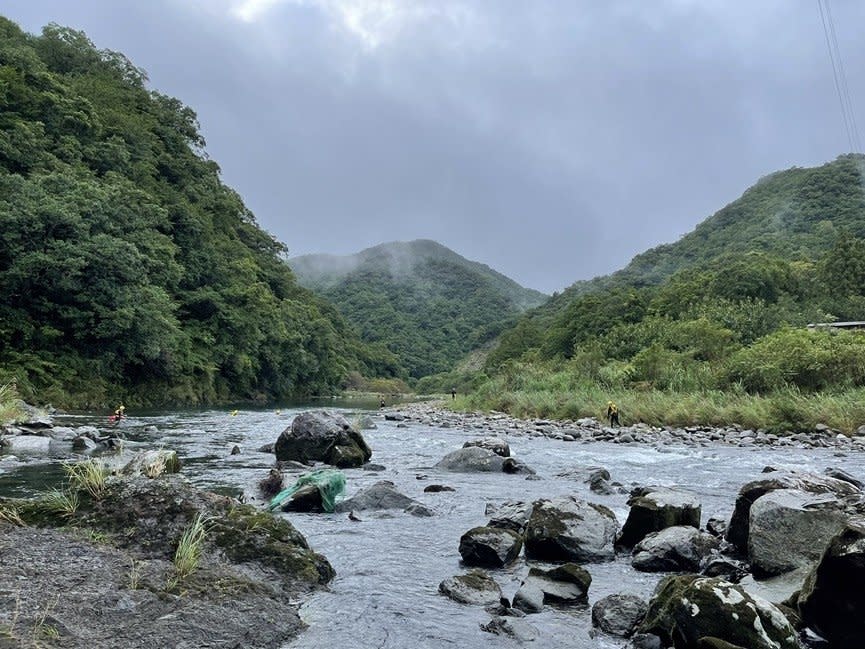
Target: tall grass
[189, 549]
[10, 403]
[532, 391]
[90, 476]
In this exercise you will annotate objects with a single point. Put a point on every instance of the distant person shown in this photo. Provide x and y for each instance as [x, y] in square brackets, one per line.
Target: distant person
[453, 393]
[613, 413]
[119, 413]
[381, 403]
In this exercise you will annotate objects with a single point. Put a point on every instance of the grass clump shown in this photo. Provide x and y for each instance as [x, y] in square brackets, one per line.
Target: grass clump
[188, 554]
[10, 514]
[57, 503]
[10, 403]
[90, 476]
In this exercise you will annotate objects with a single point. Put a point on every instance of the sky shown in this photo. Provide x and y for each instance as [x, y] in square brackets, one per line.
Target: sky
[549, 139]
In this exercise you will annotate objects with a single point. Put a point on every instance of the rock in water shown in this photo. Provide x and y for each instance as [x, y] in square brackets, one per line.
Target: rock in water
[476, 587]
[619, 615]
[569, 529]
[323, 437]
[490, 547]
[656, 508]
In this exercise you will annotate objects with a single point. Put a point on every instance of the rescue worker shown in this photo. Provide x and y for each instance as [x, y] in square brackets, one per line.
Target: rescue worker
[612, 413]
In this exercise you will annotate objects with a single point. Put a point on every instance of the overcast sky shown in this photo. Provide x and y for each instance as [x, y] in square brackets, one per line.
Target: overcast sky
[550, 139]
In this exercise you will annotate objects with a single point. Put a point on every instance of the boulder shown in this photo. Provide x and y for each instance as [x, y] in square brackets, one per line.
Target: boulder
[789, 529]
[654, 509]
[490, 547]
[27, 444]
[437, 488]
[620, 614]
[832, 600]
[568, 529]
[380, 496]
[513, 465]
[475, 587]
[470, 460]
[565, 584]
[680, 548]
[496, 445]
[512, 514]
[529, 599]
[841, 474]
[686, 608]
[272, 484]
[322, 437]
[519, 630]
[306, 498]
[737, 530]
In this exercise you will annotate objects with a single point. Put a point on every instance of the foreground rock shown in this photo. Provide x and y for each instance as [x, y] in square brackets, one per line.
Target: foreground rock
[320, 436]
[496, 445]
[619, 615]
[832, 600]
[472, 459]
[125, 591]
[656, 508]
[382, 496]
[739, 527]
[789, 529]
[688, 609]
[565, 584]
[675, 549]
[569, 529]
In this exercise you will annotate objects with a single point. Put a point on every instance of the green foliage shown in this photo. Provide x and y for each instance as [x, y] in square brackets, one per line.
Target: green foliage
[189, 550]
[127, 269]
[423, 304]
[10, 403]
[90, 476]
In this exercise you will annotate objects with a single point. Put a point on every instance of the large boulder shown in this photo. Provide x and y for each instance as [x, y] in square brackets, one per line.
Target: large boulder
[472, 459]
[322, 437]
[476, 587]
[570, 529]
[737, 530]
[685, 609]
[380, 496]
[656, 508]
[832, 600]
[789, 529]
[681, 548]
[152, 464]
[619, 614]
[490, 547]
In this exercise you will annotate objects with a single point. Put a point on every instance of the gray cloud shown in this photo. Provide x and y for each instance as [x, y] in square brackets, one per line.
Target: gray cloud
[550, 140]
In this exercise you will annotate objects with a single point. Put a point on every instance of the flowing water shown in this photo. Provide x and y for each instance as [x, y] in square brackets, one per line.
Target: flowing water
[389, 565]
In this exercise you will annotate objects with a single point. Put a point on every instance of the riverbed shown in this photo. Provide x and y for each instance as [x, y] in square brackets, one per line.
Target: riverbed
[389, 565]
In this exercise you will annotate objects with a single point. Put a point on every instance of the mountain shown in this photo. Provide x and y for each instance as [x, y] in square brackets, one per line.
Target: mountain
[128, 270]
[424, 302]
[784, 251]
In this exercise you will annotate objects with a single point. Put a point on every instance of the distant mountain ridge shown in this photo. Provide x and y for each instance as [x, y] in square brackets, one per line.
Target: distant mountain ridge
[425, 302]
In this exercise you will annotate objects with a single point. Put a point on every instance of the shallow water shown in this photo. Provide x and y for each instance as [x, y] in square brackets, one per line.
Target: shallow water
[389, 566]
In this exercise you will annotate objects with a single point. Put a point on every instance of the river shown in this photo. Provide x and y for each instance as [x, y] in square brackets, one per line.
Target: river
[389, 566]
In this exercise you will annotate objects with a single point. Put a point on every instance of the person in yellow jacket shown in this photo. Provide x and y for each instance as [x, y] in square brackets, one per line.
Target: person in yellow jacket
[613, 413]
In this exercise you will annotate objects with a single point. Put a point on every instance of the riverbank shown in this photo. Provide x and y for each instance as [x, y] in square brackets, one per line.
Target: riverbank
[588, 429]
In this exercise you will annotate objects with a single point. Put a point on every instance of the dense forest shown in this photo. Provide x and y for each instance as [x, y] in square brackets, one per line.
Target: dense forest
[128, 270]
[724, 308]
[422, 301]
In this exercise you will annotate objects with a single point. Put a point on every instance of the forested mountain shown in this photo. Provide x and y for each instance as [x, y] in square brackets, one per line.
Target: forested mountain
[710, 309]
[424, 302]
[128, 270]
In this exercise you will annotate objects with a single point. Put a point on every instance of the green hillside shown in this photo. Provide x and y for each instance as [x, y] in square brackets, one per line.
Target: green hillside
[128, 270]
[711, 329]
[424, 302]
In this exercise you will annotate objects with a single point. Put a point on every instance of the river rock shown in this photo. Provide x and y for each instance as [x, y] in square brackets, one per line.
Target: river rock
[656, 508]
[789, 529]
[475, 587]
[496, 445]
[272, 484]
[832, 600]
[569, 529]
[841, 474]
[686, 608]
[511, 514]
[529, 598]
[437, 488]
[565, 584]
[323, 437]
[152, 464]
[382, 495]
[27, 444]
[619, 614]
[307, 498]
[737, 531]
[519, 630]
[365, 422]
[470, 460]
[490, 547]
[679, 548]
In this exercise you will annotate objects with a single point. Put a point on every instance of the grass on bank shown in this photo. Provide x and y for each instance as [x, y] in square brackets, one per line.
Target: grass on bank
[10, 404]
[189, 549]
[90, 476]
[534, 392]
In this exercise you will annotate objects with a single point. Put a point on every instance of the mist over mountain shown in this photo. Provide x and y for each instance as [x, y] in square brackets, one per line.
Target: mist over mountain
[426, 303]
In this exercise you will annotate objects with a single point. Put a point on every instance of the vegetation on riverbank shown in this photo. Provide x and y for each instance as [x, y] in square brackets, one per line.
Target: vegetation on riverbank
[10, 403]
[128, 270]
[531, 391]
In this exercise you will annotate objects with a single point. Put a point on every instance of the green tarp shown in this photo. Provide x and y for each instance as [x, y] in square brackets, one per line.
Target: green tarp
[330, 483]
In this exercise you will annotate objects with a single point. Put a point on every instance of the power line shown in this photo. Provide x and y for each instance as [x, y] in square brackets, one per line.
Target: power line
[842, 75]
[839, 78]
